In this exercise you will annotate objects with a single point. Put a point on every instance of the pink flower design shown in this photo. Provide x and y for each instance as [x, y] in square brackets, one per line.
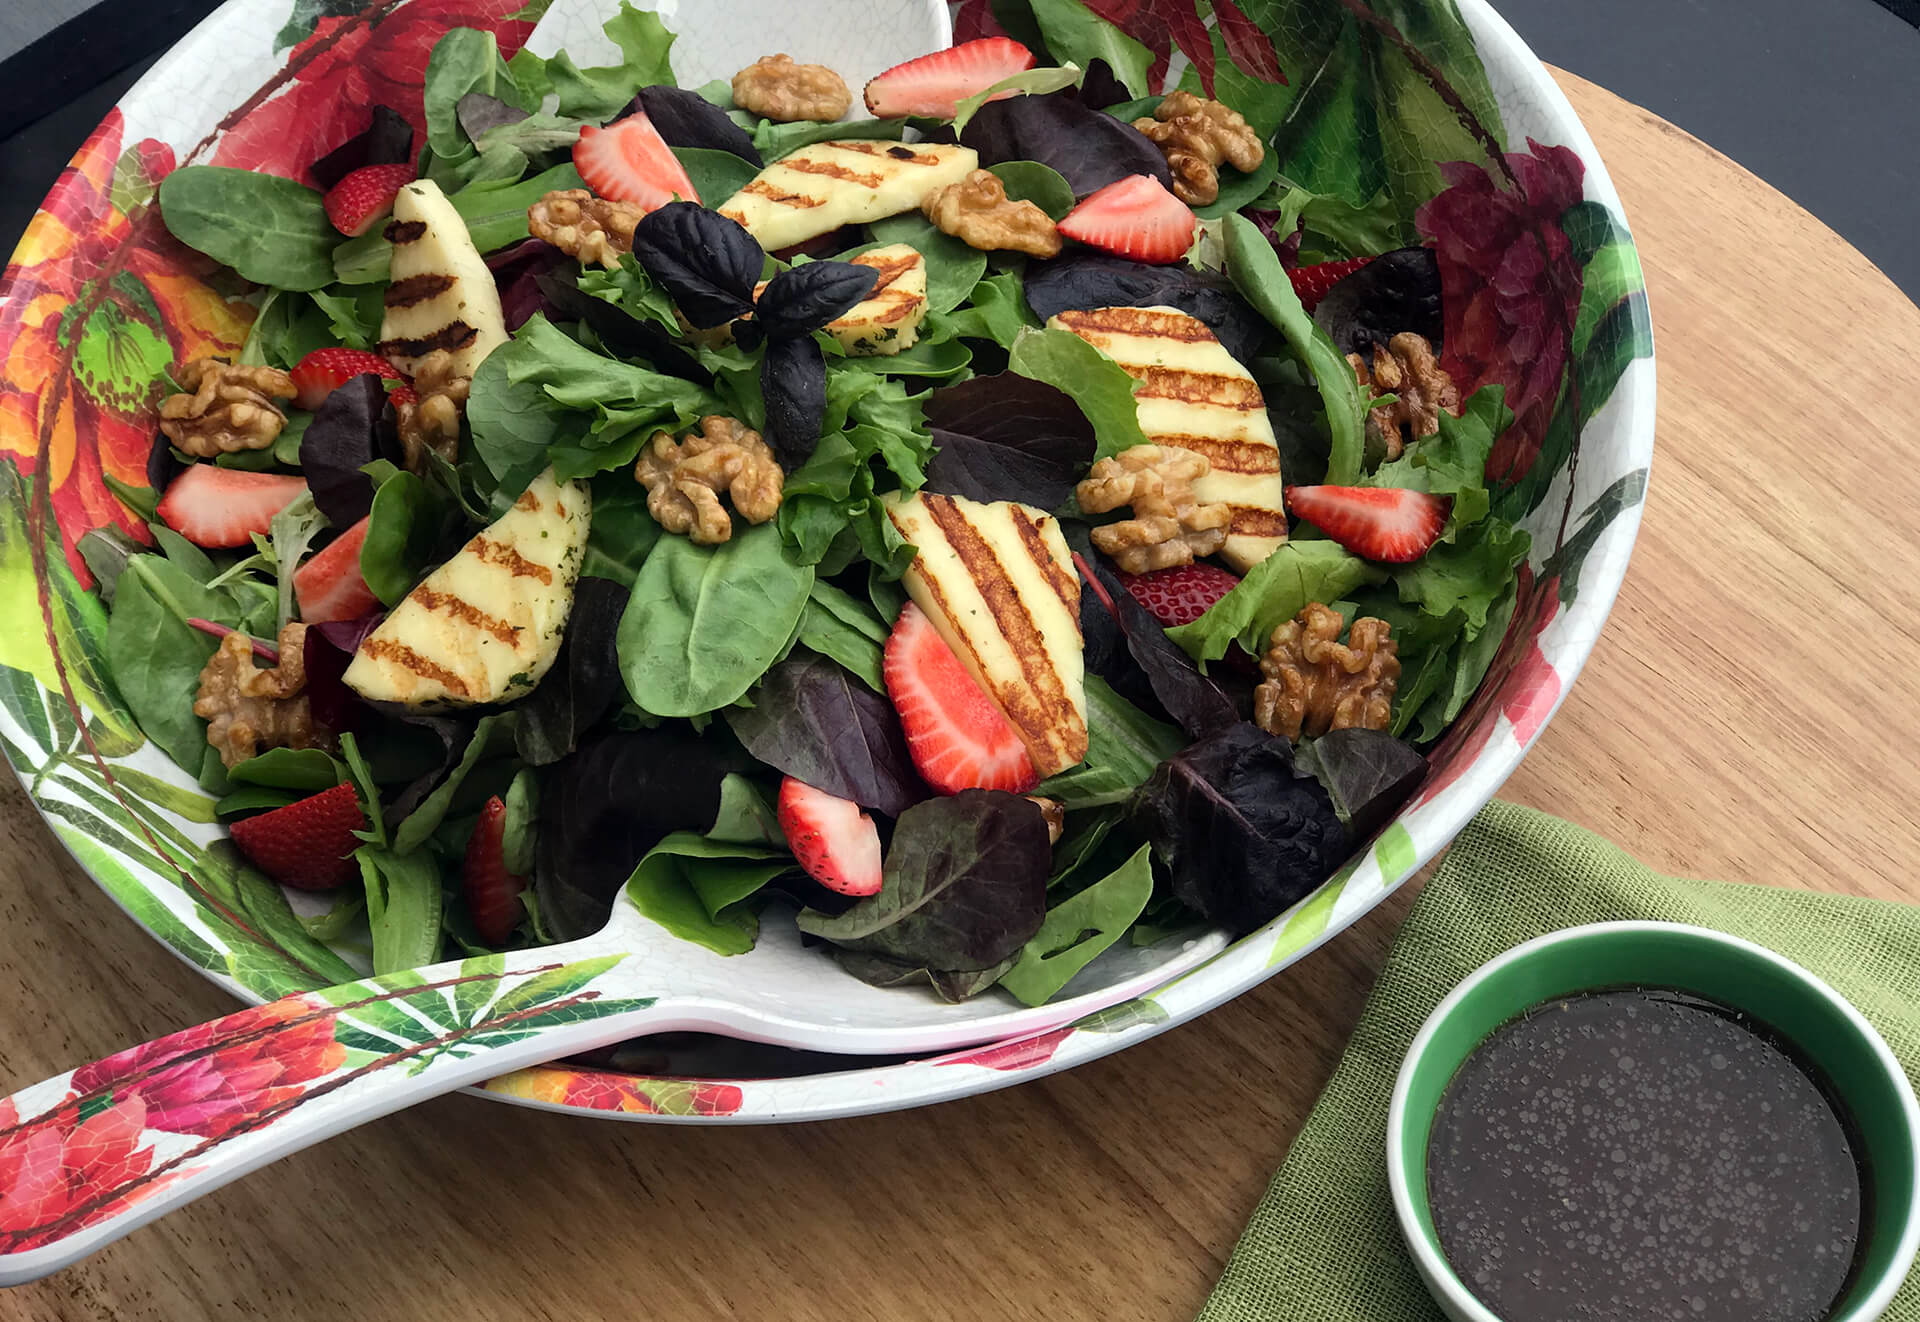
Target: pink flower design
[1023, 1054]
[1508, 296]
[273, 1052]
[52, 1167]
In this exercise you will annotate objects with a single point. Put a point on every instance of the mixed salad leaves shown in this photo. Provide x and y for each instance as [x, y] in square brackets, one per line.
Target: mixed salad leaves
[487, 678]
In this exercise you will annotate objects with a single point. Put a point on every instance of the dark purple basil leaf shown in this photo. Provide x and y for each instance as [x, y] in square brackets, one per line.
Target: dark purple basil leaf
[327, 650]
[687, 119]
[162, 465]
[1089, 147]
[793, 381]
[1195, 702]
[516, 273]
[1095, 280]
[813, 721]
[1367, 774]
[965, 885]
[1005, 437]
[1100, 89]
[606, 805]
[625, 334]
[352, 427]
[584, 682]
[802, 299]
[707, 262]
[1239, 832]
[477, 112]
[1396, 291]
[453, 733]
[387, 140]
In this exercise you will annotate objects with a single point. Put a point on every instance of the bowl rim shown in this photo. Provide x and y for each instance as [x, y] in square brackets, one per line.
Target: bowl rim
[1244, 964]
[1434, 1269]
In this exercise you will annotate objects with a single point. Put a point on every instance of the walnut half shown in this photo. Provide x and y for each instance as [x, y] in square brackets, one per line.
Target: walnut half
[224, 408]
[431, 421]
[249, 708]
[774, 87]
[1316, 683]
[1197, 135]
[684, 479]
[1406, 368]
[1169, 527]
[592, 229]
[978, 212]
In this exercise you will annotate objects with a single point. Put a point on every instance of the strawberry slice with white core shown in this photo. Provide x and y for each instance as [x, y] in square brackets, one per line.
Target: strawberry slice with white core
[934, 85]
[330, 585]
[1388, 524]
[958, 738]
[1135, 217]
[365, 195]
[628, 161]
[833, 841]
[223, 507]
[324, 371]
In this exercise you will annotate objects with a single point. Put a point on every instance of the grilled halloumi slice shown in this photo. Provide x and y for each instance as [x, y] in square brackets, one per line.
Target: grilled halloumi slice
[887, 320]
[442, 295]
[1193, 394]
[484, 627]
[998, 583]
[825, 185]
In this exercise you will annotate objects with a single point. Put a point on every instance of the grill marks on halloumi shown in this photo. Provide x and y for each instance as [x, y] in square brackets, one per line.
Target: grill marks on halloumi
[485, 626]
[996, 580]
[825, 185]
[888, 319]
[1194, 395]
[442, 296]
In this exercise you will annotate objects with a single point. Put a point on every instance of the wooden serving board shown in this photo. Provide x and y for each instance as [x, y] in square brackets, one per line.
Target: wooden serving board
[1752, 712]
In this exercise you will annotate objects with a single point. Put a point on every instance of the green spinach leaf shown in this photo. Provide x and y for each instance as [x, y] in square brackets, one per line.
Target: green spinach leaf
[1079, 928]
[1042, 185]
[271, 230]
[1273, 592]
[407, 522]
[840, 626]
[1100, 386]
[696, 888]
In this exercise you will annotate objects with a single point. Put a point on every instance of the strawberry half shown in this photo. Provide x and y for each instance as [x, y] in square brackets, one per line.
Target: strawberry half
[1311, 283]
[324, 371]
[493, 893]
[307, 845]
[1179, 595]
[365, 195]
[330, 585]
[934, 85]
[1134, 217]
[958, 739]
[628, 161]
[224, 507]
[1388, 524]
[833, 841]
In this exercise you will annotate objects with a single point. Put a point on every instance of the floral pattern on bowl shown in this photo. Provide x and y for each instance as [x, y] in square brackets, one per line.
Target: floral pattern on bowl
[1543, 296]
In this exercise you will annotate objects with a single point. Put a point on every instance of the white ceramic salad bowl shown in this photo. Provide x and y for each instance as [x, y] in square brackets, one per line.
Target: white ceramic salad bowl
[98, 299]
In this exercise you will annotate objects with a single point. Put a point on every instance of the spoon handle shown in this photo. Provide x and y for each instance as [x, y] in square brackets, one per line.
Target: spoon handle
[89, 1155]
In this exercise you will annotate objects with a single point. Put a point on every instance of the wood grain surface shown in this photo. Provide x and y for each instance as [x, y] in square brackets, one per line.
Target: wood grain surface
[1749, 713]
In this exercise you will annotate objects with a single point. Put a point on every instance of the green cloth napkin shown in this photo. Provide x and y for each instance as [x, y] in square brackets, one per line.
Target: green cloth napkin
[1323, 1245]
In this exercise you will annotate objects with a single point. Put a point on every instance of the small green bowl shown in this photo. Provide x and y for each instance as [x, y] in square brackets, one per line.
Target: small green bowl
[1797, 1006]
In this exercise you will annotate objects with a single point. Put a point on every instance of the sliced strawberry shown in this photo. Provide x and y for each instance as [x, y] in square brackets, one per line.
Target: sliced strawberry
[324, 371]
[307, 845]
[1182, 594]
[330, 586]
[1376, 523]
[833, 841]
[1134, 217]
[365, 195]
[493, 893]
[221, 507]
[628, 161]
[1311, 283]
[933, 85]
[958, 739]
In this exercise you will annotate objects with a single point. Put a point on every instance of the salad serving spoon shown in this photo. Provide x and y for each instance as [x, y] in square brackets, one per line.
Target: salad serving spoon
[93, 1153]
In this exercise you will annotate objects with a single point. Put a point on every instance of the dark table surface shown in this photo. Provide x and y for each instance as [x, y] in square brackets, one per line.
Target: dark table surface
[1822, 100]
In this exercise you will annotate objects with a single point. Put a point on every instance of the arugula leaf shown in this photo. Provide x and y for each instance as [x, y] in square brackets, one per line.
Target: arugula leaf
[1468, 574]
[777, 140]
[1257, 273]
[404, 903]
[1100, 386]
[1273, 592]
[271, 230]
[704, 623]
[492, 737]
[1454, 462]
[997, 310]
[1079, 927]
[1029, 82]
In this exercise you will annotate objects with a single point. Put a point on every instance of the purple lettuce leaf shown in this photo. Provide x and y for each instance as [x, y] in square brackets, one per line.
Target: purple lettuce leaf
[1006, 437]
[813, 720]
